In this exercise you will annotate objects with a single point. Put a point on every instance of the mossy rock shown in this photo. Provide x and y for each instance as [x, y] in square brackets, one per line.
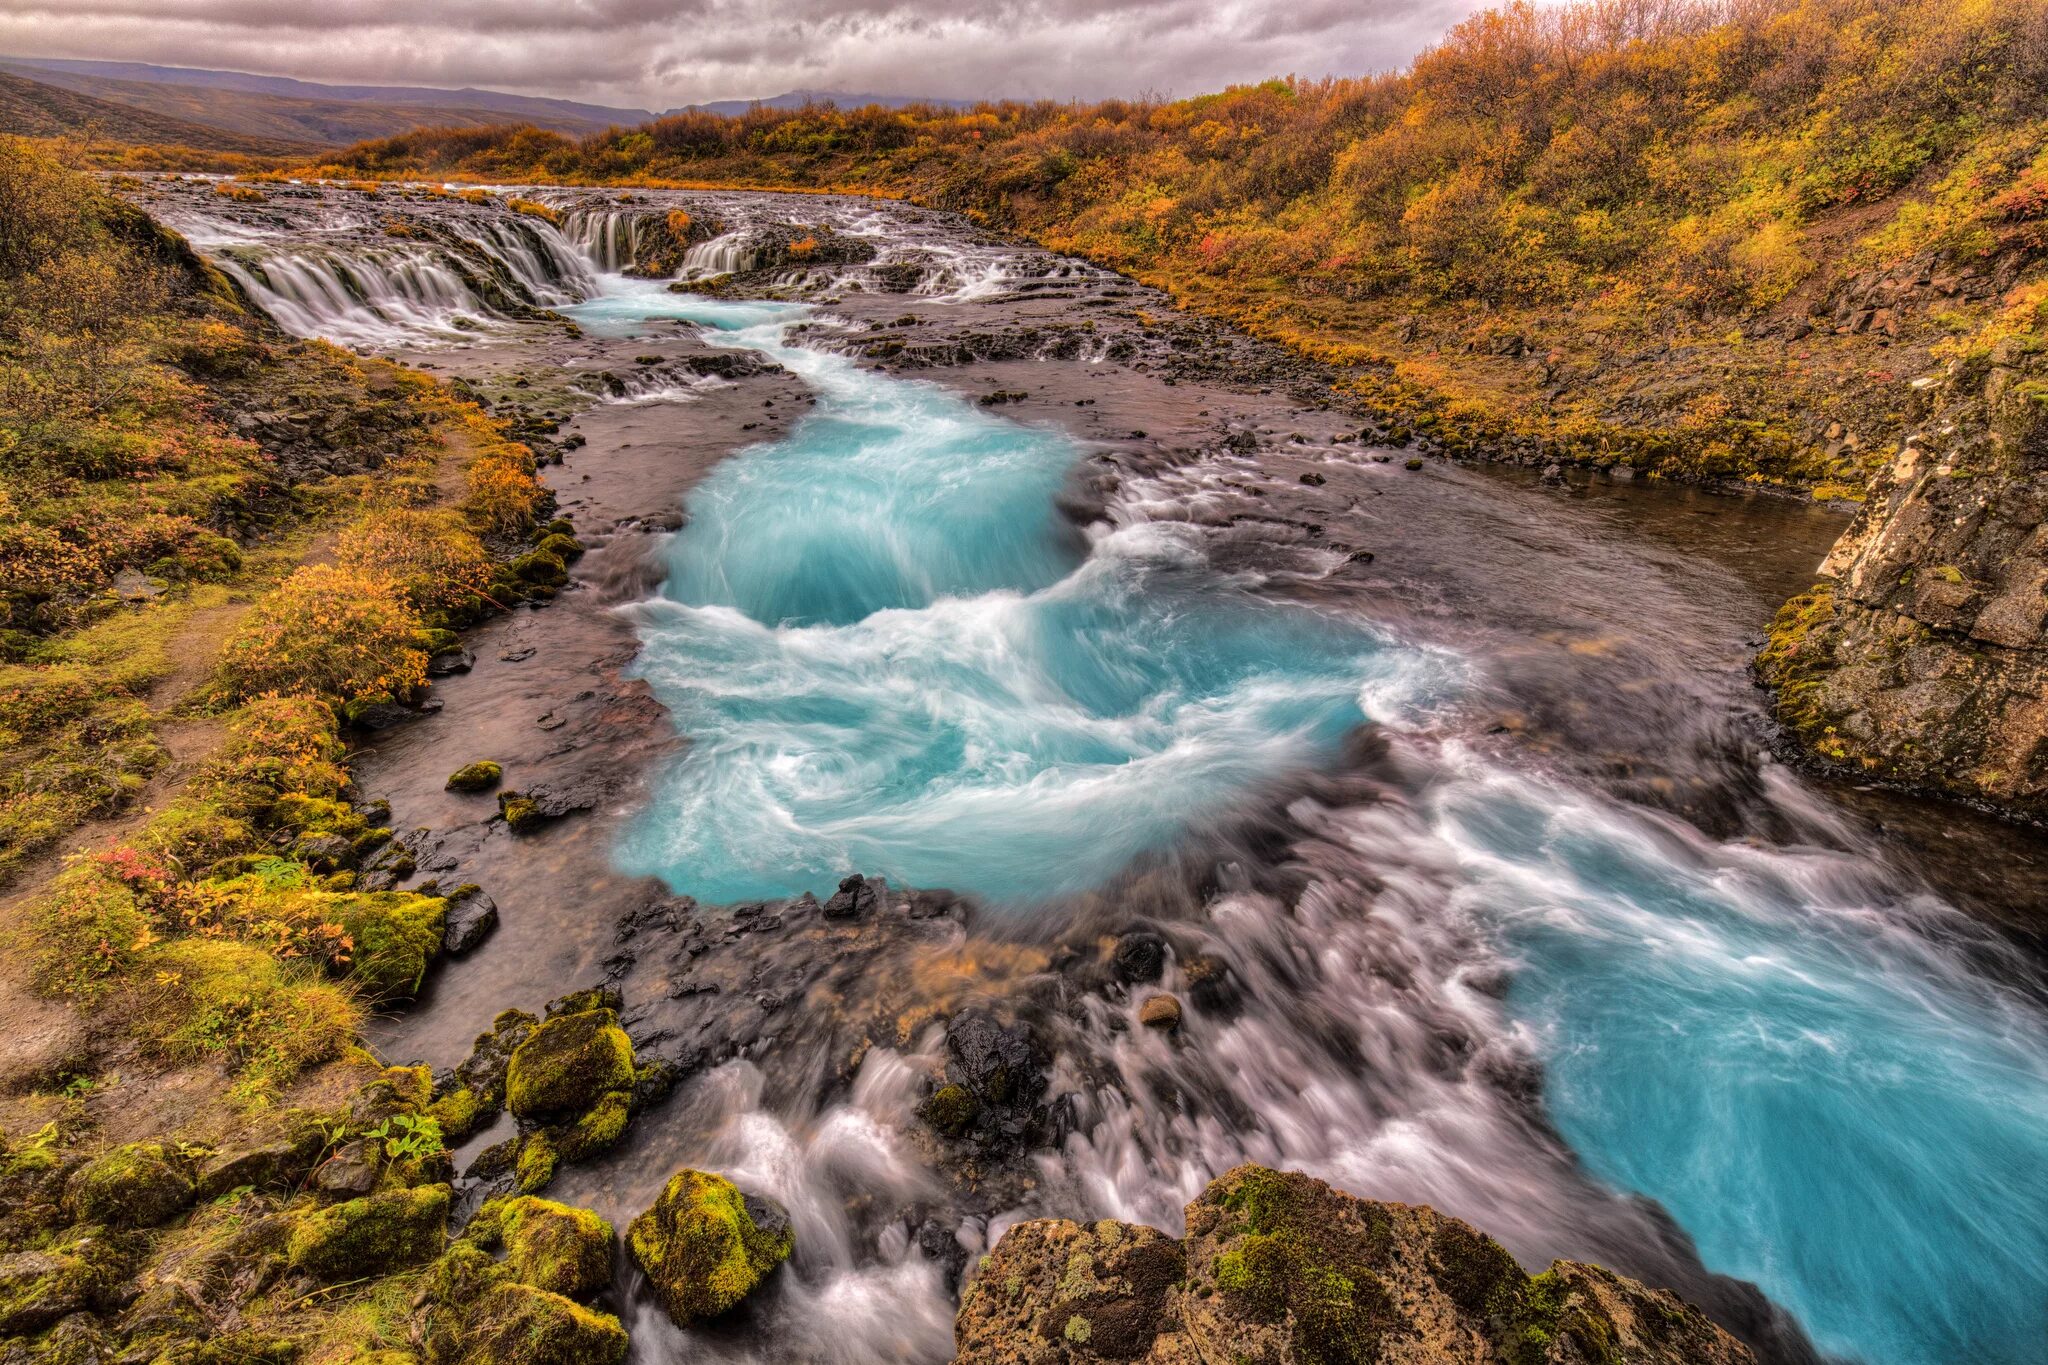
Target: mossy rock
[599, 1128]
[136, 1186]
[552, 1246]
[516, 1324]
[479, 776]
[396, 935]
[37, 1288]
[705, 1246]
[374, 1235]
[536, 1164]
[951, 1109]
[521, 812]
[564, 548]
[567, 1064]
[541, 568]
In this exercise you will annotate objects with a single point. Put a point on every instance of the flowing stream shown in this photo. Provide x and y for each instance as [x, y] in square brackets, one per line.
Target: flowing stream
[1470, 976]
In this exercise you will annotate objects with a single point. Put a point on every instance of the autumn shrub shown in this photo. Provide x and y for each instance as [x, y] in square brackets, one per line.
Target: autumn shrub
[326, 631]
[431, 554]
[87, 933]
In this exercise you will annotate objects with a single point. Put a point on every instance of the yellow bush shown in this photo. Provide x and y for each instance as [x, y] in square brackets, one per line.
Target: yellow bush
[327, 631]
[432, 556]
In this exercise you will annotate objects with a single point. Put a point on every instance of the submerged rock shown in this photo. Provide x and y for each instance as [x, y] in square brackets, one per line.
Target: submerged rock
[1281, 1269]
[705, 1246]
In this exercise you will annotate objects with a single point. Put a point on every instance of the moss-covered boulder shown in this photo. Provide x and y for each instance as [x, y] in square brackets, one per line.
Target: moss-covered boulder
[37, 1288]
[479, 776]
[552, 1246]
[136, 1186]
[396, 935]
[567, 1064]
[599, 1128]
[1280, 1269]
[375, 1235]
[951, 1108]
[705, 1246]
[516, 1324]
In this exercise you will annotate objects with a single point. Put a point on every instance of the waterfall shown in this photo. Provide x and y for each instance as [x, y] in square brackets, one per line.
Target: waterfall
[609, 238]
[370, 298]
[727, 254]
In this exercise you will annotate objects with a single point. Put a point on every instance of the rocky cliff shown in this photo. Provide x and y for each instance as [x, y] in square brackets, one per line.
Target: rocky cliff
[1924, 657]
[1280, 1269]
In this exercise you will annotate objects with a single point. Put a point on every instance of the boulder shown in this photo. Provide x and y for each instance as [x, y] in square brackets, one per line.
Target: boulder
[138, 1185]
[552, 1246]
[1281, 1269]
[705, 1246]
[268, 1164]
[855, 898]
[996, 1063]
[470, 918]
[37, 1288]
[567, 1064]
[371, 1236]
[516, 1324]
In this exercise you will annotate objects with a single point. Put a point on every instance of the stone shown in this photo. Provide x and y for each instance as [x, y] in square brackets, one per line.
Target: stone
[1281, 1269]
[375, 1235]
[138, 1185]
[37, 1288]
[564, 1250]
[479, 776]
[1139, 958]
[517, 1324]
[705, 1246]
[449, 661]
[470, 918]
[996, 1063]
[277, 1164]
[1160, 1011]
[855, 898]
[352, 1170]
[568, 1063]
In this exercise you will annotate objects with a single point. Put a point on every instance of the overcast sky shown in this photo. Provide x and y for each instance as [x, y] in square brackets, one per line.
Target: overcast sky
[661, 53]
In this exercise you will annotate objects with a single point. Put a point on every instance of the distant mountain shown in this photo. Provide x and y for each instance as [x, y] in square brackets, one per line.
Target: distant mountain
[253, 114]
[798, 99]
[276, 115]
[477, 106]
[33, 109]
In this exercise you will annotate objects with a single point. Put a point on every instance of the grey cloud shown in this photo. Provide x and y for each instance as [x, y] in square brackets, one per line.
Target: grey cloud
[658, 53]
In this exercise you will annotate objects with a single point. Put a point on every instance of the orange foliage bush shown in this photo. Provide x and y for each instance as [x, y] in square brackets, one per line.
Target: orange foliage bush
[327, 631]
[432, 556]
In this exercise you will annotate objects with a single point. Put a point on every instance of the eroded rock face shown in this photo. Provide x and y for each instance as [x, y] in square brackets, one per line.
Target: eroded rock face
[1280, 1269]
[1925, 660]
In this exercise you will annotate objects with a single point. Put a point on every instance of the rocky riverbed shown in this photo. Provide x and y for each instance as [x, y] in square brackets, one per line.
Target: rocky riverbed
[1406, 940]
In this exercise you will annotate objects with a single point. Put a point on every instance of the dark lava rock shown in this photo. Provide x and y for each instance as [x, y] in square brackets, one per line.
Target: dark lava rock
[855, 898]
[1139, 958]
[470, 918]
[995, 1063]
[450, 661]
[351, 1171]
[276, 1164]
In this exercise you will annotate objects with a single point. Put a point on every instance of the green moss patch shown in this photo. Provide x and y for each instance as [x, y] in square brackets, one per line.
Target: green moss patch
[703, 1248]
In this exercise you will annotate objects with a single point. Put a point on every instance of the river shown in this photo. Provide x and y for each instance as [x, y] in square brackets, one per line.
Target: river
[1439, 797]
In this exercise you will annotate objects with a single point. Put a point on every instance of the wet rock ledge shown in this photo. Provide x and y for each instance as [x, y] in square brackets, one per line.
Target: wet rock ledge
[1280, 1268]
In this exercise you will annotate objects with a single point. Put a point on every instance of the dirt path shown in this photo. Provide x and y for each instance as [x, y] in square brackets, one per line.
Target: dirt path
[41, 1038]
